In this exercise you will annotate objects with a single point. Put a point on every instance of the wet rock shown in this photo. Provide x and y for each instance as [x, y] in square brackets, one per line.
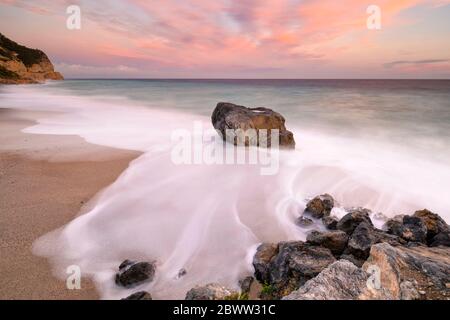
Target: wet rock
[330, 222]
[341, 280]
[132, 273]
[433, 223]
[441, 239]
[181, 273]
[394, 225]
[427, 270]
[320, 206]
[393, 240]
[261, 261]
[141, 295]
[212, 291]
[246, 284]
[336, 241]
[293, 264]
[361, 241]
[351, 220]
[411, 228]
[230, 116]
[304, 222]
[357, 262]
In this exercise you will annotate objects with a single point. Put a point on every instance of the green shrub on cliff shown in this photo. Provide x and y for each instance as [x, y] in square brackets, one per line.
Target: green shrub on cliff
[6, 74]
[26, 55]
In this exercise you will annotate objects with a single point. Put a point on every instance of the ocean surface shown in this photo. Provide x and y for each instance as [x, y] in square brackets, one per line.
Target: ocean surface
[381, 144]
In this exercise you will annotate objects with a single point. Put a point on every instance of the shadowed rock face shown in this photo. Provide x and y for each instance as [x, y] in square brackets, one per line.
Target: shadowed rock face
[228, 116]
[336, 241]
[288, 265]
[19, 64]
[341, 280]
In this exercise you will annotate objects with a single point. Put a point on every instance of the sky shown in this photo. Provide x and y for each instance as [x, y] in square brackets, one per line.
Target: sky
[303, 39]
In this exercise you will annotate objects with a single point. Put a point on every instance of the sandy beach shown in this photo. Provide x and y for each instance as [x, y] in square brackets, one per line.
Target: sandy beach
[45, 181]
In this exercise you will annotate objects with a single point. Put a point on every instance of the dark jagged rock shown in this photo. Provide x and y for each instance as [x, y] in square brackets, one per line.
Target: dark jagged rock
[141, 295]
[181, 273]
[394, 225]
[351, 220]
[441, 239]
[414, 229]
[410, 228]
[330, 222]
[261, 261]
[303, 221]
[336, 241]
[211, 291]
[349, 257]
[228, 116]
[320, 206]
[361, 240]
[292, 265]
[246, 284]
[341, 280]
[433, 222]
[133, 273]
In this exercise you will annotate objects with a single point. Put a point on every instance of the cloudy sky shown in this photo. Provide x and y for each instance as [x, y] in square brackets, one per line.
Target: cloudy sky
[236, 38]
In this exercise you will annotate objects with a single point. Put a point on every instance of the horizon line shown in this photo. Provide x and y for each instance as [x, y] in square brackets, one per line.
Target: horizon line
[388, 79]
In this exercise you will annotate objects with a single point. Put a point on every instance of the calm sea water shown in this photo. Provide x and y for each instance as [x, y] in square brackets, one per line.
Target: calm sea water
[408, 112]
[384, 145]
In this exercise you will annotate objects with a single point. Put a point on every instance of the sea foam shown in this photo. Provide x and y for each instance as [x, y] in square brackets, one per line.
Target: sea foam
[209, 219]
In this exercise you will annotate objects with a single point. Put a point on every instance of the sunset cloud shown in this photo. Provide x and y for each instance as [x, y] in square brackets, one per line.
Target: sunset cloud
[283, 38]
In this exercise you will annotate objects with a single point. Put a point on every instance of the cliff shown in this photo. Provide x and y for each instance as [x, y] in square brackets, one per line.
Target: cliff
[19, 64]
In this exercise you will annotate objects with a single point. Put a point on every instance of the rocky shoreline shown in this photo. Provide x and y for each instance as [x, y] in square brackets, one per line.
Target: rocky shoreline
[346, 259]
[408, 259]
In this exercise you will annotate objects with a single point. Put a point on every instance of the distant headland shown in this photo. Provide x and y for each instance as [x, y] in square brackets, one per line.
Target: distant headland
[19, 64]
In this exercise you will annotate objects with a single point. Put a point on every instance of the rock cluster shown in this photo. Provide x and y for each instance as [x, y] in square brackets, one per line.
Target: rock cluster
[240, 120]
[19, 64]
[353, 260]
[410, 257]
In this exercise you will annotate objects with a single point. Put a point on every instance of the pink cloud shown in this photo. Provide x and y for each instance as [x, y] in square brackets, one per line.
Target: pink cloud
[204, 35]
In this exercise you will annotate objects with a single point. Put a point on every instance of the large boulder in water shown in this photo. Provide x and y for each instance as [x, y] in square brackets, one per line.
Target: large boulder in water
[228, 116]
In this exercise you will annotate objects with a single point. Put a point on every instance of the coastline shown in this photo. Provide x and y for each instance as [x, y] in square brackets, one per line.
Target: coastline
[45, 181]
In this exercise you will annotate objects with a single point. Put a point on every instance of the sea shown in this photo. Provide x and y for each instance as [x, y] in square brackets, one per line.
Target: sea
[379, 144]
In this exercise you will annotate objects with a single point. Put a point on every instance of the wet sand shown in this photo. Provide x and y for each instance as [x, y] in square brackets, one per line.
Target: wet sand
[45, 181]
